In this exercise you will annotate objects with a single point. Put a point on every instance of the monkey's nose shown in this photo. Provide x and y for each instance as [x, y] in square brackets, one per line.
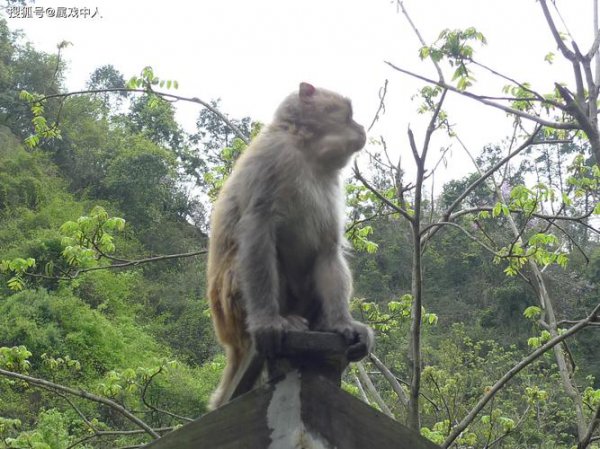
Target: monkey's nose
[361, 138]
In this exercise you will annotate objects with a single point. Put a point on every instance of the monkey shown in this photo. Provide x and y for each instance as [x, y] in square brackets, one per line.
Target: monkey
[276, 259]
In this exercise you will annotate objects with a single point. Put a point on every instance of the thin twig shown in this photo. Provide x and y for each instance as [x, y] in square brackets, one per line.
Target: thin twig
[156, 409]
[381, 108]
[69, 276]
[82, 394]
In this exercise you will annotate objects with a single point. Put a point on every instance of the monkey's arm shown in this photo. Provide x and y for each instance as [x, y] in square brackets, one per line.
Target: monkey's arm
[259, 280]
[257, 266]
[333, 282]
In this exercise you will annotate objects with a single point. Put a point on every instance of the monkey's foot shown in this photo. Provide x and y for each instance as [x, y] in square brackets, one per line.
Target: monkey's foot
[358, 336]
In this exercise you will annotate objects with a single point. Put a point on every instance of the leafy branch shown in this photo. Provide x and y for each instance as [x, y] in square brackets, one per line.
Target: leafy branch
[593, 317]
[146, 83]
[87, 243]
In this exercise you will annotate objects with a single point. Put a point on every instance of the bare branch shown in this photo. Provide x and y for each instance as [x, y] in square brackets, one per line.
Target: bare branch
[156, 409]
[82, 394]
[389, 376]
[413, 146]
[393, 206]
[464, 231]
[421, 40]
[537, 95]
[365, 380]
[164, 95]
[587, 438]
[125, 263]
[448, 213]
[361, 390]
[381, 108]
[512, 429]
[557, 38]
[431, 127]
[481, 99]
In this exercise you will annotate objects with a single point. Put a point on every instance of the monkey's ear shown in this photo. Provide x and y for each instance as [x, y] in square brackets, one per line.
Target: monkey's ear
[306, 90]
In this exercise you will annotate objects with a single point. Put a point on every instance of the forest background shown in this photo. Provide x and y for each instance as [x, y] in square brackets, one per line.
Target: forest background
[483, 289]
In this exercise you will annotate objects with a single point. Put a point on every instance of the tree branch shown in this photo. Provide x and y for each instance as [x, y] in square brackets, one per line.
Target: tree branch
[587, 438]
[196, 100]
[82, 394]
[389, 376]
[381, 108]
[156, 409]
[559, 42]
[364, 378]
[448, 213]
[458, 429]
[124, 264]
[481, 99]
[393, 206]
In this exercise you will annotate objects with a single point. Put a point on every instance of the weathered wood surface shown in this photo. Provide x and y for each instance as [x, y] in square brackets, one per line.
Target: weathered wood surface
[299, 409]
[323, 351]
[348, 423]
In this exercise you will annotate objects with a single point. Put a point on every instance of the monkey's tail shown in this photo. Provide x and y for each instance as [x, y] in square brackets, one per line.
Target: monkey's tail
[235, 363]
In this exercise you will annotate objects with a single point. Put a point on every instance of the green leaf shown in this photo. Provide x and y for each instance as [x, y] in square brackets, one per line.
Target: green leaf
[16, 283]
[532, 312]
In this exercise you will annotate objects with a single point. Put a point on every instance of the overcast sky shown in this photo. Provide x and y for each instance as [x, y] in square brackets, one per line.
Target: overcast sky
[251, 53]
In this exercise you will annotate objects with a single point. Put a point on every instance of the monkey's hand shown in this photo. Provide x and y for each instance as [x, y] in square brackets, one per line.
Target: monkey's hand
[268, 333]
[359, 337]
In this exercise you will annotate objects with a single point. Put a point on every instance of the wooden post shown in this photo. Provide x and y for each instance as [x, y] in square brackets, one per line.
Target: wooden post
[300, 407]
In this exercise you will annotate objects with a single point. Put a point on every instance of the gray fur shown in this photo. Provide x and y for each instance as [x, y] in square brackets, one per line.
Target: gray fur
[281, 211]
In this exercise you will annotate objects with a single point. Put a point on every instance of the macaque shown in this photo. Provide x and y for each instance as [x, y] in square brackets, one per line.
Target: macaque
[276, 255]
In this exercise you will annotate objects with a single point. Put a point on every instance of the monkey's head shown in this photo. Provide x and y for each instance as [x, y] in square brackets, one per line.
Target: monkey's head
[323, 121]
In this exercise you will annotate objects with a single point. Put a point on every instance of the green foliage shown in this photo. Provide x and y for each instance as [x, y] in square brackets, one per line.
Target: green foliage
[584, 178]
[523, 96]
[60, 363]
[88, 238]
[84, 242]
[50, 433]
[396, 313]
[15, 358]
[124, 333]
[219, 147]
[40, 125]
[147, 80]
[154, 118]
[17, 269]
[536, 342]
[532, 312]
[359, 238]
[216, 178]
[454, 45]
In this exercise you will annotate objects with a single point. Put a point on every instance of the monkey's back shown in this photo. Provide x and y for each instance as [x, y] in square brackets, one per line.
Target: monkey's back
[224, 294]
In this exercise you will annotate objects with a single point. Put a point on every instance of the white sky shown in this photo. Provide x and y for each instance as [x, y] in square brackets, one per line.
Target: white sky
[251, 53]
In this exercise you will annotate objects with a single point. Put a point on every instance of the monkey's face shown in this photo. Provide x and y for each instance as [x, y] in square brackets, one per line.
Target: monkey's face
[325, 119]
